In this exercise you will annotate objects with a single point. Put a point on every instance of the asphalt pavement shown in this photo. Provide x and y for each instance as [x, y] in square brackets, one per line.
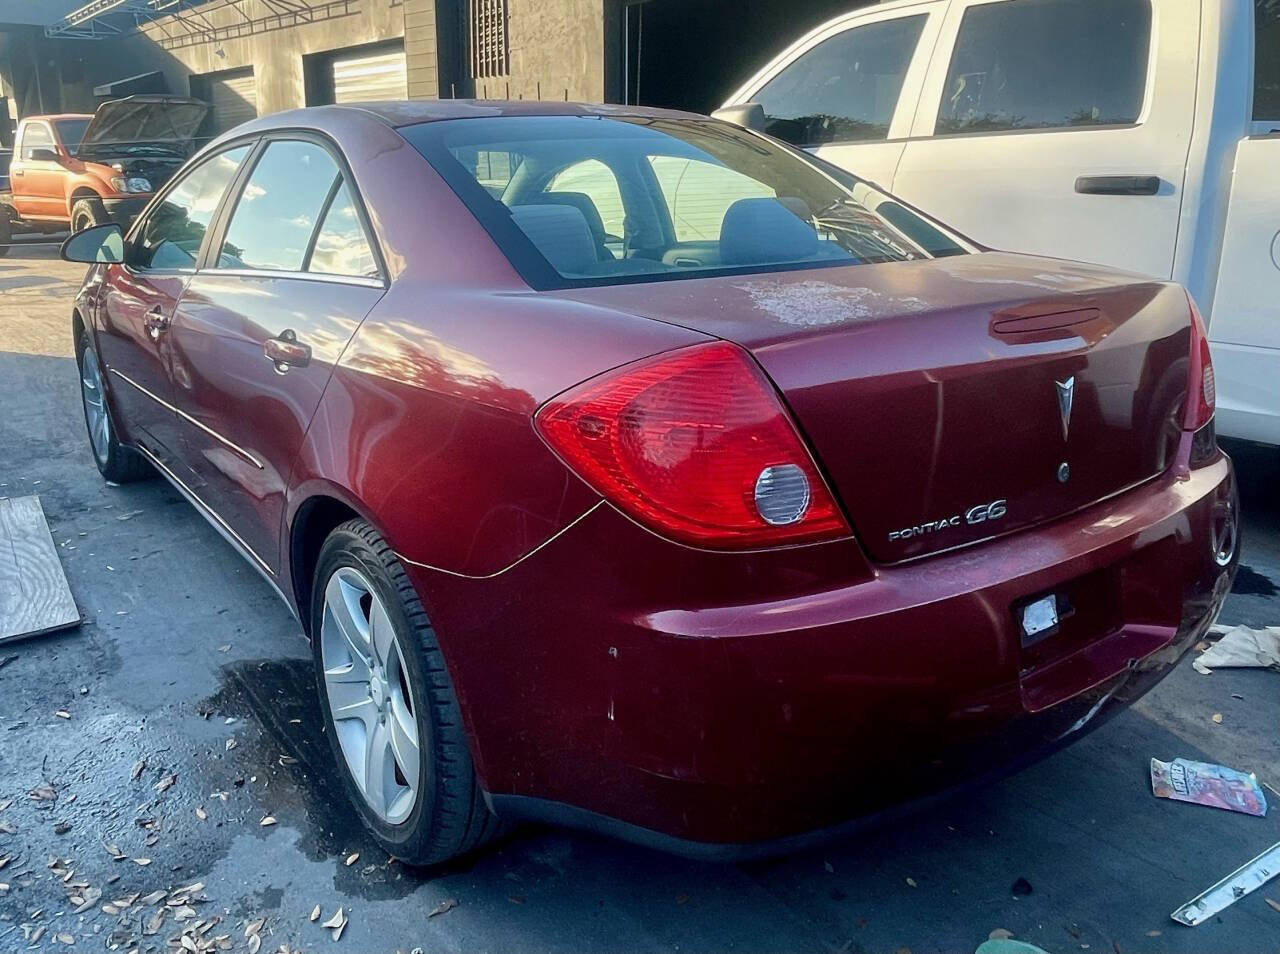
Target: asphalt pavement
[191, 754]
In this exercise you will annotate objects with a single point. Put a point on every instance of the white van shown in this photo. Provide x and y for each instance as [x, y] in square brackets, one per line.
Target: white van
[1143, 134]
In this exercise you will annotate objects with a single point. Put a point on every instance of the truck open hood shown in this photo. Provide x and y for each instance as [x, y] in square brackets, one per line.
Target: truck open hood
[143, 118]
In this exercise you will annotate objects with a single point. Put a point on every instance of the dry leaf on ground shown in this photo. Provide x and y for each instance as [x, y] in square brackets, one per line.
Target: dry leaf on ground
[443, 907]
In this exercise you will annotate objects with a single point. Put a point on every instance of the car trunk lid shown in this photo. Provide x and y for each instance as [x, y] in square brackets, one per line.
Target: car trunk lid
[952, 400]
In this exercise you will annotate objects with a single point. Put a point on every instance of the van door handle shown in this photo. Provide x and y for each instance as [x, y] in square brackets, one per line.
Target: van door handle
[286, 352]
[1118, 185]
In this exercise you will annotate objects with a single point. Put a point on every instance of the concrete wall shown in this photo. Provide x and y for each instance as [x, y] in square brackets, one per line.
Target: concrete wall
[557, 46]
[420, 49]
[275, 55]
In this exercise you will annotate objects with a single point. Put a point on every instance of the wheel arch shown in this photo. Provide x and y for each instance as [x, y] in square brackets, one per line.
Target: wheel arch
[315, 518]
[78, 328]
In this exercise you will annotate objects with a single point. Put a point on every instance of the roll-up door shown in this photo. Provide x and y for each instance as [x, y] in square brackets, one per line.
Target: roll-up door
[365, 77]
[233, 96]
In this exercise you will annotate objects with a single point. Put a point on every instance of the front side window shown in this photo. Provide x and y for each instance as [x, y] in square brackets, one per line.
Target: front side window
[279, 208]
[171, 235]
[35, 136]
[1266, 61]
[1041, 64]
[702, 197]
[846, 88]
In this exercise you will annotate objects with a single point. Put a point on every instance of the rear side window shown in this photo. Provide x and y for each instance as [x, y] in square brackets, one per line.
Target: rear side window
[595, 180]
[1266, 61]
[698, 194]
[845, 89]
[1042, 64]
[171, 235]
[279, 207]
[341, 247]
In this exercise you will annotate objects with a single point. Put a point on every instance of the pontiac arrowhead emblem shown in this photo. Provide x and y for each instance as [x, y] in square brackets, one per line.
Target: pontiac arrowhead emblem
[1066, 393]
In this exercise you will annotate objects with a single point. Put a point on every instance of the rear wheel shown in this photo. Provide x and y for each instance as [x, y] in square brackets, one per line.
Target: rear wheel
[86, 213]
[117, 463]
[390, 710]
[6, 230]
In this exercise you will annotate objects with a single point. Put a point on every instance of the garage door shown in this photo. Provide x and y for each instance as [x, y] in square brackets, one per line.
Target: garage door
[233, 96]
[366, 77]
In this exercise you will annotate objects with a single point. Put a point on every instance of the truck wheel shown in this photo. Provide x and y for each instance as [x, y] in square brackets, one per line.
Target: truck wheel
[86, 213]
[6, 230]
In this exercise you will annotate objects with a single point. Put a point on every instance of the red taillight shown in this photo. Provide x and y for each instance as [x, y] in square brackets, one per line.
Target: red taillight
[1201, 388]
[694, 444]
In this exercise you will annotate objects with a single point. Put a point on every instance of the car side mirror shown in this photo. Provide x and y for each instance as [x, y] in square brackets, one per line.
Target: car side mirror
[42, 155]
[102, 243]
[747, 115]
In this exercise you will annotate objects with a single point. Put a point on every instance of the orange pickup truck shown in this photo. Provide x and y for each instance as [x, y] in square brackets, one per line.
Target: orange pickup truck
[76, 170]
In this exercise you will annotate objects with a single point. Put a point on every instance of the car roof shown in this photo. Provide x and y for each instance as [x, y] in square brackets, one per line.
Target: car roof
[409, 112]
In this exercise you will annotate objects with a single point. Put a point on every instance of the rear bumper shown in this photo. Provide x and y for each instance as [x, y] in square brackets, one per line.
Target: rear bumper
[703, 702]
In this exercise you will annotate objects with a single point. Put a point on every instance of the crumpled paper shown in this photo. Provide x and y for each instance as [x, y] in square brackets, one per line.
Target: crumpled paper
[1241, 647]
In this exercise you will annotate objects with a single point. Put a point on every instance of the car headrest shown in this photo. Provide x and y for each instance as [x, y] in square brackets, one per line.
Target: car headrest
[560, 233]
[583, 203]
[764, 230]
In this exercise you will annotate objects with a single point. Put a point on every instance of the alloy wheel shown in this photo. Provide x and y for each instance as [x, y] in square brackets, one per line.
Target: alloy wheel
[95, 406]
[368, 690]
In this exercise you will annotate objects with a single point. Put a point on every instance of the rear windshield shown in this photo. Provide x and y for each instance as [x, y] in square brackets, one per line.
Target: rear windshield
[588, 200]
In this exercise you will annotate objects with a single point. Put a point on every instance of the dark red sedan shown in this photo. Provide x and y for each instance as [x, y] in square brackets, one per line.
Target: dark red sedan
[632, 470]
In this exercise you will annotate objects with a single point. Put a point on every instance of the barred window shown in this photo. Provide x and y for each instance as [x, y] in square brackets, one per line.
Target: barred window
[490, 52]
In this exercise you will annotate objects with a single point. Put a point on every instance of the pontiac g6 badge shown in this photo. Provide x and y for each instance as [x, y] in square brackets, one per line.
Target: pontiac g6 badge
[982, 513]
[1066, 394]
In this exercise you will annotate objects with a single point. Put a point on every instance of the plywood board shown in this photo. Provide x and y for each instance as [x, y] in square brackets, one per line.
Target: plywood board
[34, 596]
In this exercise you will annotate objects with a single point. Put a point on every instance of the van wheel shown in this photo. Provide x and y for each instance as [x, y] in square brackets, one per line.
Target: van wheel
[86, 213]
[116, 463]
[6, 230]
[389, 706]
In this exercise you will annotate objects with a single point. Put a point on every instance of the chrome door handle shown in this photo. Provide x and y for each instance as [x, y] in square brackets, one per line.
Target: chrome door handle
[285, 351]
[157, 322]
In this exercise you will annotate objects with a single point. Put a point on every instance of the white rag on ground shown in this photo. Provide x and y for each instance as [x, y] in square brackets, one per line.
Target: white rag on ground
[1241, 646]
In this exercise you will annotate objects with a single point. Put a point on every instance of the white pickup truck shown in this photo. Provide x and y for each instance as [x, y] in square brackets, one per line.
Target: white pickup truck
[1143, 134]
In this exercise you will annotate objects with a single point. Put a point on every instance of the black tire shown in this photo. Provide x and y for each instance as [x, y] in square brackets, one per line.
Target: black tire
[450, 817]
[117, 463]
[86, 213]
[6, 229]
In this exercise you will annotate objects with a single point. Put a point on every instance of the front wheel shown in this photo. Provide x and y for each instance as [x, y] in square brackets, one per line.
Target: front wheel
[117, 463]
[389, 706]
[86, 213]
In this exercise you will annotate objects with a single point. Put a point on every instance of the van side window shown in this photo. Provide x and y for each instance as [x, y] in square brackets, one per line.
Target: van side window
[845, 89]
[1041, 64]
[1266, 61]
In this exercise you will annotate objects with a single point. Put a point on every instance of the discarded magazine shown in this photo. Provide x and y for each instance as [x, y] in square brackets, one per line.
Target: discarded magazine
[1207, 784]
